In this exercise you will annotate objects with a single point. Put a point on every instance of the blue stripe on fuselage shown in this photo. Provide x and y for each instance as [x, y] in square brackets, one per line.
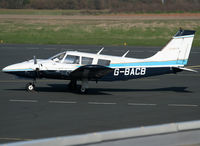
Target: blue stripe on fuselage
[175, 62]
[13, 70]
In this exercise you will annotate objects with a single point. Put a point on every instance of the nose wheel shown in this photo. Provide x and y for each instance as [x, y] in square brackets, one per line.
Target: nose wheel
[30, 87]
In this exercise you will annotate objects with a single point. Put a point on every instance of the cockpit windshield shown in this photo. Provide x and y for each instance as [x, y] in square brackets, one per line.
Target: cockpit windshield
[58, 57]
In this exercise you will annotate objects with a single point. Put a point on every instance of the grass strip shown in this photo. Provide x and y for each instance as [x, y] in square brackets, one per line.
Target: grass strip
[94, 32]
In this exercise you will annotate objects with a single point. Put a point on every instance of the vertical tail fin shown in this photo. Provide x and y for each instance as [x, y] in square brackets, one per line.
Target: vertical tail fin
[177, 50]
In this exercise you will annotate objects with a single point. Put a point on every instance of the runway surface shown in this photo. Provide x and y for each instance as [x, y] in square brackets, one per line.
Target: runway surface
[52, 110]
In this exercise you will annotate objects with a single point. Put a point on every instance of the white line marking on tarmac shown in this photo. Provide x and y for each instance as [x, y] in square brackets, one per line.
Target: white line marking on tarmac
[184, 105]
[195, 66]
[50, 48]
[152, 51]
[103, 103]
[14, 139]
[142, 104]
[138, 51]
[15, 100]
[65, 102]
[195, 52]
[106, 103]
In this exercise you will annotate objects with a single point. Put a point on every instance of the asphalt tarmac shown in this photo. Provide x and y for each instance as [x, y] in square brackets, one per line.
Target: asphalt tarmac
[52, 110]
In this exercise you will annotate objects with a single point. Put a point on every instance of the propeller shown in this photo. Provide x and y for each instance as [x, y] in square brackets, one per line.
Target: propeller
[35, 60]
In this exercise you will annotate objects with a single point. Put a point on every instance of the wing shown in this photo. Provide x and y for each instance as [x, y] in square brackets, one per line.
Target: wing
[90, 72]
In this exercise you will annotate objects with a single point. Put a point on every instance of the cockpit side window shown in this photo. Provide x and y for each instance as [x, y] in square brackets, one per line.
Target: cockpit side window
[58, 57]
[103, 62]
[86, 60]
[70, 59]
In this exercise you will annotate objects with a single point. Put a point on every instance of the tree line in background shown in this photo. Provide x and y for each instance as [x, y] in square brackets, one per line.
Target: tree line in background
[112, 5]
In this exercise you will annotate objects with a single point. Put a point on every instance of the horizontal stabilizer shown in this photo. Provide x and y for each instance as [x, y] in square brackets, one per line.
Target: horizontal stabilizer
[187, 69]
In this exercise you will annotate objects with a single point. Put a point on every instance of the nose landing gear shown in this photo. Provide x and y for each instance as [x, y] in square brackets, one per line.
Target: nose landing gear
[30, 86]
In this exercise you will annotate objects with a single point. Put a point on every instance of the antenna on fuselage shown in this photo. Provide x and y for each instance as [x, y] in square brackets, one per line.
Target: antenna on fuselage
[100, 51]
[125, 53]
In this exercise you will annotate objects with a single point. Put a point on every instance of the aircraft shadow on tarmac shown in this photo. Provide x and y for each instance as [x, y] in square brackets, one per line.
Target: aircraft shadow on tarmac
[101, 91]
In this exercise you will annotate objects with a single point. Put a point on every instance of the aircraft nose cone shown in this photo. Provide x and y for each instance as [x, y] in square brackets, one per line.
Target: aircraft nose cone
[18, 67]
[10, 68]
[5, 69]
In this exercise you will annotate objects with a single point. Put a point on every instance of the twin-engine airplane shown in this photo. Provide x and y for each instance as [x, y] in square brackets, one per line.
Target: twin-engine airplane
[78, 66]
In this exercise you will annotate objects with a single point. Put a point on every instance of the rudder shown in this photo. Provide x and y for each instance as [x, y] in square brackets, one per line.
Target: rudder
[178, 48]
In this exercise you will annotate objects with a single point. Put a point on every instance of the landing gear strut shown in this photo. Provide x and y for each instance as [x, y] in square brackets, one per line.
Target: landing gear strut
[30, 86]
[84, 86]
[72, 85]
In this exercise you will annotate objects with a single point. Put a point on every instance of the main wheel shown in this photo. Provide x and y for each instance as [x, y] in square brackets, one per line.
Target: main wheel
[30, 87]
[83, 90]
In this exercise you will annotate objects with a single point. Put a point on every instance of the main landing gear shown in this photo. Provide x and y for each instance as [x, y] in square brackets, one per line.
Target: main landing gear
[30, 86]
[83, 88]
[72, 86]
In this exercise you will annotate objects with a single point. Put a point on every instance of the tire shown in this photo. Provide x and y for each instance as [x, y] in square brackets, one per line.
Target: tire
[83, 90]
[30, 87]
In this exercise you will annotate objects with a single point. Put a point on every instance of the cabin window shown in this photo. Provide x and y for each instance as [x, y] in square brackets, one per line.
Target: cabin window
[70, 59]
[86, 60]
[103, 62]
